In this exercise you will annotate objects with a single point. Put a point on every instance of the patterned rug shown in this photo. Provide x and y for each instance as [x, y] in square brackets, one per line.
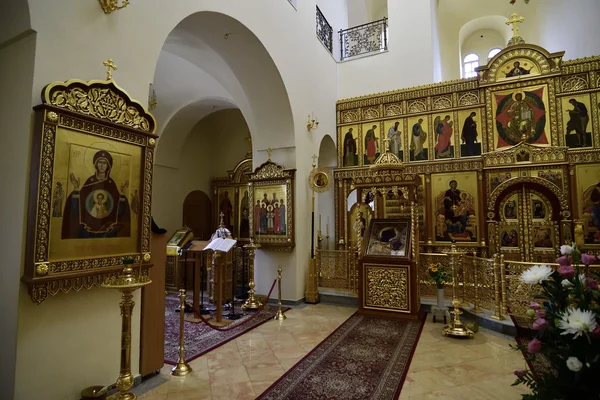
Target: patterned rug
[365, 358]
[199, 338]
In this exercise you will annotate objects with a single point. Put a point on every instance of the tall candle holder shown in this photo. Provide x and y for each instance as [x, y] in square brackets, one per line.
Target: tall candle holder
[456, 327]
[251, 302]
[126, 283]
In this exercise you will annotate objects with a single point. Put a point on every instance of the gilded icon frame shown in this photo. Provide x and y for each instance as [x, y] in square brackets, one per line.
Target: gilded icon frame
[268, 178]
[76, 113]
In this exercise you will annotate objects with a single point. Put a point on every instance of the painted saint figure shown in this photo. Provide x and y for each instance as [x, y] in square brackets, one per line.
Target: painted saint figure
[276, 218]
[349, 149]
[282, 228]
[89, 215]
[469, 135]
[245, 214]
[270, 217]
[57, 200]
[443, 130]
[371, 148]
[263, 218]
[517, 70]
[521, 116]
[578, 122]
[394, 136]
[419, 136]
[257, 222]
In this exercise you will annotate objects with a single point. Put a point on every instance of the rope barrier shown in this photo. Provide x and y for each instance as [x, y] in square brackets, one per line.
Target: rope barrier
[246, 321]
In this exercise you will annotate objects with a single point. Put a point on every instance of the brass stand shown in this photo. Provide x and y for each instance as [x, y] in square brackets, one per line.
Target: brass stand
[251, 302]
[456, 327]
[279, 315]
[182, 368]
[126, 283]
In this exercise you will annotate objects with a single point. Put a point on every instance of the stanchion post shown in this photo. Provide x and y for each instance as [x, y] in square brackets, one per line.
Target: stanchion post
[279, 315]
[182, 368]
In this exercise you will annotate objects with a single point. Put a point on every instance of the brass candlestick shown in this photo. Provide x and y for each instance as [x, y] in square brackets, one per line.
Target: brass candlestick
[182, 368]
[251, 302]
[126, 283]
[279, 315]
[456, 327]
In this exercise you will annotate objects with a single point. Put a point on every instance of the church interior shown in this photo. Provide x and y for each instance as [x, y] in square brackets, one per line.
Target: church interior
[300, 199]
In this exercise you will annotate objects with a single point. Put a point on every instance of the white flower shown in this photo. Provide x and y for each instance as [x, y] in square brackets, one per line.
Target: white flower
[566, 250]
[566, 283]
[536, 274]
[576, 321]
[574, 364]
[582, 278]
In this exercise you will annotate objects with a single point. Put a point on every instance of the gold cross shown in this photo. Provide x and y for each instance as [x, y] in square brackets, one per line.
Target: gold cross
[314, 158]
[269, 153]
[514, 20]
[386, 143]
[110, 65]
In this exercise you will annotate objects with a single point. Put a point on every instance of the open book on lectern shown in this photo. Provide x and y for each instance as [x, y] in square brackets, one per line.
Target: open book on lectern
[220, 244]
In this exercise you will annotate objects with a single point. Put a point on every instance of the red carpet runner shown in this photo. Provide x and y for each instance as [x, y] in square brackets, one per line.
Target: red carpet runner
[365, 358]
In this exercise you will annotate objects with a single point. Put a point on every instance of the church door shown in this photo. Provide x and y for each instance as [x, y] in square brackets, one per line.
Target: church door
[197, 214]
[526, 230]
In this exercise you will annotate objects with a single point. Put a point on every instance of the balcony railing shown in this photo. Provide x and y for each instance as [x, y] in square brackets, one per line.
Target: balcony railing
[324, 31]
[363, 39]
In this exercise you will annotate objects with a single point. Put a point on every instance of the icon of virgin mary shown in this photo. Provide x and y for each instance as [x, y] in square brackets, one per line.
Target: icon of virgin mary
[98, 209]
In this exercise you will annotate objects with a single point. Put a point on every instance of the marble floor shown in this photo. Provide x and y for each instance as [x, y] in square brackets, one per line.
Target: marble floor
[442, 368]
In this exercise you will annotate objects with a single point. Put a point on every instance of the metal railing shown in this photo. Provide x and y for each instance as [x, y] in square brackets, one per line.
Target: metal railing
[483, 283]
[324, 31]
[363, 39]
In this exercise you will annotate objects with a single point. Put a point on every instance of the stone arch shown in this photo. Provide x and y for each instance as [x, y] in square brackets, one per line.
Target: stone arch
[223, 48]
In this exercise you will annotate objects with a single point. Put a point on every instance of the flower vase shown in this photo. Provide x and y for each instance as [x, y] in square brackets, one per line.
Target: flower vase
[440, 298]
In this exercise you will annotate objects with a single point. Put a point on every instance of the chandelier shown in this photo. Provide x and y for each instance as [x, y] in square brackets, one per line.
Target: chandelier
[514, 1]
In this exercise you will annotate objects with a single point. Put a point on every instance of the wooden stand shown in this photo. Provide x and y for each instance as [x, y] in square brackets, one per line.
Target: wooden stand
[219, 266]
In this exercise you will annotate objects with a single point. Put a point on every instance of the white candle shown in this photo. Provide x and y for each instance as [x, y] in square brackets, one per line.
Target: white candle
[319, 221]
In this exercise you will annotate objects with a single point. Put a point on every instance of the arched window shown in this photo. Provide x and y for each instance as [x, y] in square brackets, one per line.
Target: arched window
[470, 62]
[493, 52]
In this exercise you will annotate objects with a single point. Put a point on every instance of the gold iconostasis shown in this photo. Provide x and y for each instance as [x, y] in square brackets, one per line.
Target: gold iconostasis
[510, 160]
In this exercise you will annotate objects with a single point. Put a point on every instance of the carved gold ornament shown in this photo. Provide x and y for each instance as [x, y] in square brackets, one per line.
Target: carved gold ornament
[147, 257]
[41, 269]
[108, 6]
[52, 117]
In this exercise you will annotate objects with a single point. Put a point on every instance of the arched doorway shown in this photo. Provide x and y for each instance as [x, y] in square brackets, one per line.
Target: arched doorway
[197, 214]
[526, 218]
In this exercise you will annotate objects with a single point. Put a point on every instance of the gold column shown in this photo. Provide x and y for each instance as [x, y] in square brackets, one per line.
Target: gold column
[456, 327]
[126, 283]
[251, 302]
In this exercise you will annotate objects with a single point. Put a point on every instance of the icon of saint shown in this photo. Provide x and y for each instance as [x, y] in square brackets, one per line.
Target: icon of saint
[89, 215]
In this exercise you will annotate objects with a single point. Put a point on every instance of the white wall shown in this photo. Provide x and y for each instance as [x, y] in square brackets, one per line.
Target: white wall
[453, 15]
[325, 201]
[571, 26]
[480, 43]
[399, 67]
[15, 135]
